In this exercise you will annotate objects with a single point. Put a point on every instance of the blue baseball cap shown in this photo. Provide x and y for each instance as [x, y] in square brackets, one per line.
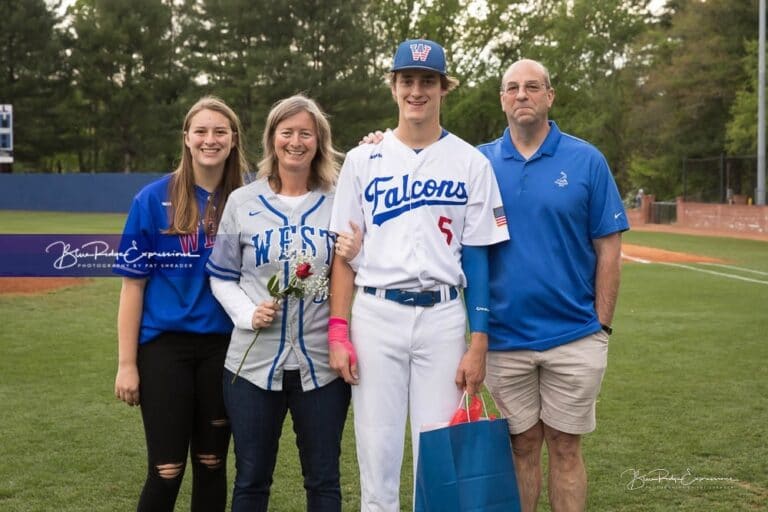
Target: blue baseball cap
[419, 54]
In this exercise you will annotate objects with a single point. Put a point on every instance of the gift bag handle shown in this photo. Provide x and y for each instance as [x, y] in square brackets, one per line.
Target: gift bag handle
[465, 399]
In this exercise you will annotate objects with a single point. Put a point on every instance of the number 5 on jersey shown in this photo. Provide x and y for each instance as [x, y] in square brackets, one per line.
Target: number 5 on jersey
[443, 224]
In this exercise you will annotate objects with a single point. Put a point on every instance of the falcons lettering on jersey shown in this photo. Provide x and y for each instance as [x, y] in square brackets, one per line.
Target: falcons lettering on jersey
[284, 237]
[390, 198]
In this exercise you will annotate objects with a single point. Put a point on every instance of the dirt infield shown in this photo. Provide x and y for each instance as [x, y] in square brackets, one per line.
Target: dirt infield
[33, 285]
[641, 253]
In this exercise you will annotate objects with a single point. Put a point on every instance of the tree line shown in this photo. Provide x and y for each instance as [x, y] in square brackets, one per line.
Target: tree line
[103, 84]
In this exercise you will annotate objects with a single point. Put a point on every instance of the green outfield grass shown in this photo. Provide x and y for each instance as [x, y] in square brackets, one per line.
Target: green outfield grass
[20, 222]
[685, 392]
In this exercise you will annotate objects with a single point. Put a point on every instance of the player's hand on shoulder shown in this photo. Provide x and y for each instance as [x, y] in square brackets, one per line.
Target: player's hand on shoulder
[127, 384]
[264, 314]
[372, 138]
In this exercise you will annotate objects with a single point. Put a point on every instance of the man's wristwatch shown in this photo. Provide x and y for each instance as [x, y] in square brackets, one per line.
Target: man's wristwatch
[607, 328]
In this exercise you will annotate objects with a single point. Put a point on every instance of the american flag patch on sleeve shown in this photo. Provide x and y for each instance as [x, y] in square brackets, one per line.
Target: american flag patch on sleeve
[498, 214]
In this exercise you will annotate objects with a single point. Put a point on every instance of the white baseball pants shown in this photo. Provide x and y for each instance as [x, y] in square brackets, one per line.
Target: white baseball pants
[407, 361]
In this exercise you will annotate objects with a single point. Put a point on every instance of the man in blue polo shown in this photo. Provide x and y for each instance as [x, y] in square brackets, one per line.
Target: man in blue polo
[553, 287]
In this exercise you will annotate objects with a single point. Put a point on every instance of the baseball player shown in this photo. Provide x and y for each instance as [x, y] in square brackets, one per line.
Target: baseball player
[428, 204]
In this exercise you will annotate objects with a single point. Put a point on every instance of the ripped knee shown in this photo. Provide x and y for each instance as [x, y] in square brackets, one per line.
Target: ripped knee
[210, 461]
[170, 471]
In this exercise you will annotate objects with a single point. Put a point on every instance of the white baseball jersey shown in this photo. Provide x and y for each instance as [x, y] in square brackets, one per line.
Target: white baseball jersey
[257, 233]
[417, 210]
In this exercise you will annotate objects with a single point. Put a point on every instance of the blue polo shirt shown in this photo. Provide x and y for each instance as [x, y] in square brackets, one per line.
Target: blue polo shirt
[177, 296]
[543, 279]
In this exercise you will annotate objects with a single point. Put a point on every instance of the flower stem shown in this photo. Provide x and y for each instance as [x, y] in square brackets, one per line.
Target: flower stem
[246, 355]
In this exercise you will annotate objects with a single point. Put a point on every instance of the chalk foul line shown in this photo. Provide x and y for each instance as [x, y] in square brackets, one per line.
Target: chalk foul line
[739, 269]
[706, 271]
[713, 272]
[635, 259]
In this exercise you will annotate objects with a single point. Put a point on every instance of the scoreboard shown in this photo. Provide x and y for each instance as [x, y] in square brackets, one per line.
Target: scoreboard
[6, 134]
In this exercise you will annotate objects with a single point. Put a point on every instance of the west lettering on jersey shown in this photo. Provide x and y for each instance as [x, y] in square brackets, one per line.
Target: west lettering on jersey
[188, 242]
[391, 199]
[210, 240]
[286, 240]
[261, 247]
[308, 236]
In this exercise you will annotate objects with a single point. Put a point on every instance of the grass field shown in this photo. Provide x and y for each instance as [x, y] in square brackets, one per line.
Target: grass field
[685, 392]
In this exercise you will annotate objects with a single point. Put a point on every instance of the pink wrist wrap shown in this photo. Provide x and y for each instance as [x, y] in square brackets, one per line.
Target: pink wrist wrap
[338, 335]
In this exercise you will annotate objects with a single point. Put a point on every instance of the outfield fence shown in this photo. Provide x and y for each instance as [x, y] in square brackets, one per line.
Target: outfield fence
[663, 212]
[735, 218]
[82, 192]
[719, 179]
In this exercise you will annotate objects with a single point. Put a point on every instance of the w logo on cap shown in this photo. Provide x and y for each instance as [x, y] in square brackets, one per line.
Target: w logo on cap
[419, 54]
[420, 51]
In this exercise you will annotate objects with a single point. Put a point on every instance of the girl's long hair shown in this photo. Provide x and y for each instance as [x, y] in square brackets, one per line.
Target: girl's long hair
[184, 214]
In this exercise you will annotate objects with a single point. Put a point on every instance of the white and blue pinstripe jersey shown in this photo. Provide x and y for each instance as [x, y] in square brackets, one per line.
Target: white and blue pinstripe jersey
[256, 236]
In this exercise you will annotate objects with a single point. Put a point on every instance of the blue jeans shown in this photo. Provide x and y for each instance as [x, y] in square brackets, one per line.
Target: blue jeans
[257, 416]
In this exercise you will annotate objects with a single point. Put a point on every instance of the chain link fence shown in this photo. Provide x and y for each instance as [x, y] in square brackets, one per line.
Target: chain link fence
[722, 179]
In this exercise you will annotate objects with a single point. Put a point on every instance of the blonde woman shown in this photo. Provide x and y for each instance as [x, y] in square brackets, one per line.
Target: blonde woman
[265, 224]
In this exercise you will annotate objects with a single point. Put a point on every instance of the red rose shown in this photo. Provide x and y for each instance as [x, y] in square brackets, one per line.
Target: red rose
[303, 270]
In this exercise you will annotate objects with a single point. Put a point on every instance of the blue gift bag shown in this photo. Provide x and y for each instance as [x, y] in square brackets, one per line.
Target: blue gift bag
[467, 468]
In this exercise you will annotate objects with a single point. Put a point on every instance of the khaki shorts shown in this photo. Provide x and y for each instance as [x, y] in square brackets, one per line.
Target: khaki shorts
[558, 386]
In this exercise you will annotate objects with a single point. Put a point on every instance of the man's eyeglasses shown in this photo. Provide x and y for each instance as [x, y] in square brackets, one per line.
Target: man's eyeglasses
[530, 87]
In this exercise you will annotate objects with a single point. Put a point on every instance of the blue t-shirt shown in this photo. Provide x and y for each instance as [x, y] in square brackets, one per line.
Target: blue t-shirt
[177, 296]
[543, 279]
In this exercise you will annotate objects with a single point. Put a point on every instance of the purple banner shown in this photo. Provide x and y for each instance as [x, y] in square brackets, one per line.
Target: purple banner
[83, 256]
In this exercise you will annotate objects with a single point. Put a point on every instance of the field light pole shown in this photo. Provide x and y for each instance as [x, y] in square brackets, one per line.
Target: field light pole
[760, 199]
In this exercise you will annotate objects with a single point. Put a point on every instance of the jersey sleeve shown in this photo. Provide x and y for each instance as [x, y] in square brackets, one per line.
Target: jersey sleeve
[606, 210]
[485, 223]
[226, 258]
[235, 302]
[137, 241]
[347, 204]
[474, 264]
